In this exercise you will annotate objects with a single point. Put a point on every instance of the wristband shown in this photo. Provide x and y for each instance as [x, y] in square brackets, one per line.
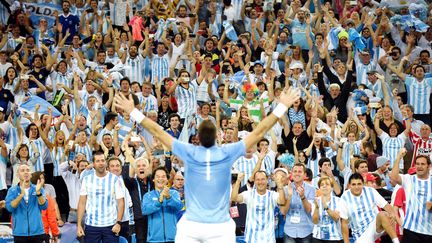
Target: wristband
[137, 116]
[280, 110]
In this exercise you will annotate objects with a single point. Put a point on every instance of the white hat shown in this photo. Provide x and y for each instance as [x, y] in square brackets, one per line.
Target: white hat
[281, 169]
[294, 65]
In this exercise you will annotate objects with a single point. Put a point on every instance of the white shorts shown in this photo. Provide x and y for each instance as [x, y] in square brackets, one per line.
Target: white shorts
[194, 232]
[370, 235]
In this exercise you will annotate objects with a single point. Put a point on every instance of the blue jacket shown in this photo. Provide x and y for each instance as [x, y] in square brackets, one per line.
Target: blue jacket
[26, 218]
[162, 217]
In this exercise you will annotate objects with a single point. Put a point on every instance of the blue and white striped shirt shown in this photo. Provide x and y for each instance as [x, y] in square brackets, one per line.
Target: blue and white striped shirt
[419, 94]
[38, 146]
[268, 163]
[159, 67]
[260, 215]
[327, 228]
[245, 166]
[391, 146]
[151, 103]
[417, 191]
[102, 194]
[57, 155]
[86, 150]
[186, 100]
[135, 68]
[360, 210]
[126, 126]
[348, 150]
[362, 69]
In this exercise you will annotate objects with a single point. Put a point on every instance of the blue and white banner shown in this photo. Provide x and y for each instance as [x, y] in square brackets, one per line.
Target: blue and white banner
[30, 104]
[42, 10]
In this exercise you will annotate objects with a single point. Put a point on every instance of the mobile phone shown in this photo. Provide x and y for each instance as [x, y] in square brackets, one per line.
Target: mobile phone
[233, 114]
[192, 35]
[374, 105]
[90, 10]
[71, 143]
[191, 15]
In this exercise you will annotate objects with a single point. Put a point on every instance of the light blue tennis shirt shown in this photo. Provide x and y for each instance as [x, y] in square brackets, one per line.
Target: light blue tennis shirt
[208, 179]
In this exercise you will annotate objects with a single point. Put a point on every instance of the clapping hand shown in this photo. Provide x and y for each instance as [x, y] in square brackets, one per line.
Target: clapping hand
[39, 185]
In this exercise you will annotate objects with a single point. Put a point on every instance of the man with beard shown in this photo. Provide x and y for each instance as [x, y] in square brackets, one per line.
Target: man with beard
[134, 62]
[418, 220]
[39, 72]
[68, 21]
[102, 201]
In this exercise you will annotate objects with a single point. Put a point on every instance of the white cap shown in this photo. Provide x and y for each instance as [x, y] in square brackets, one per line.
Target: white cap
[294, 65]
[281, 169]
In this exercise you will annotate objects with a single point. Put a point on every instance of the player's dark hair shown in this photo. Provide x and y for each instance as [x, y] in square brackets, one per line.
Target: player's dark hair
[207, 133]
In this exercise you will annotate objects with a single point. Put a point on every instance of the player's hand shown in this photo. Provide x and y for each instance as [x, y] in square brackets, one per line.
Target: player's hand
[289, 96]
[2, 204]
[123, 102]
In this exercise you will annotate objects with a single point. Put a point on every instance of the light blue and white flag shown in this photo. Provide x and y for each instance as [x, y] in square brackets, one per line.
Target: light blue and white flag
[29, 106]
[42, 11]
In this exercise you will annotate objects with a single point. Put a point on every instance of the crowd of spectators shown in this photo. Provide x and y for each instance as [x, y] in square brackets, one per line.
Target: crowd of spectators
[359, 138]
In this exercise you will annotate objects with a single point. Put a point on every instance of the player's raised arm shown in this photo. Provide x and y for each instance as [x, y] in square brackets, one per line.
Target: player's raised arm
[287, 98]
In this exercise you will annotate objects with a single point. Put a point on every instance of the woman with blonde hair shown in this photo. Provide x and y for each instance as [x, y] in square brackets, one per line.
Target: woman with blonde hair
[59, 154]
